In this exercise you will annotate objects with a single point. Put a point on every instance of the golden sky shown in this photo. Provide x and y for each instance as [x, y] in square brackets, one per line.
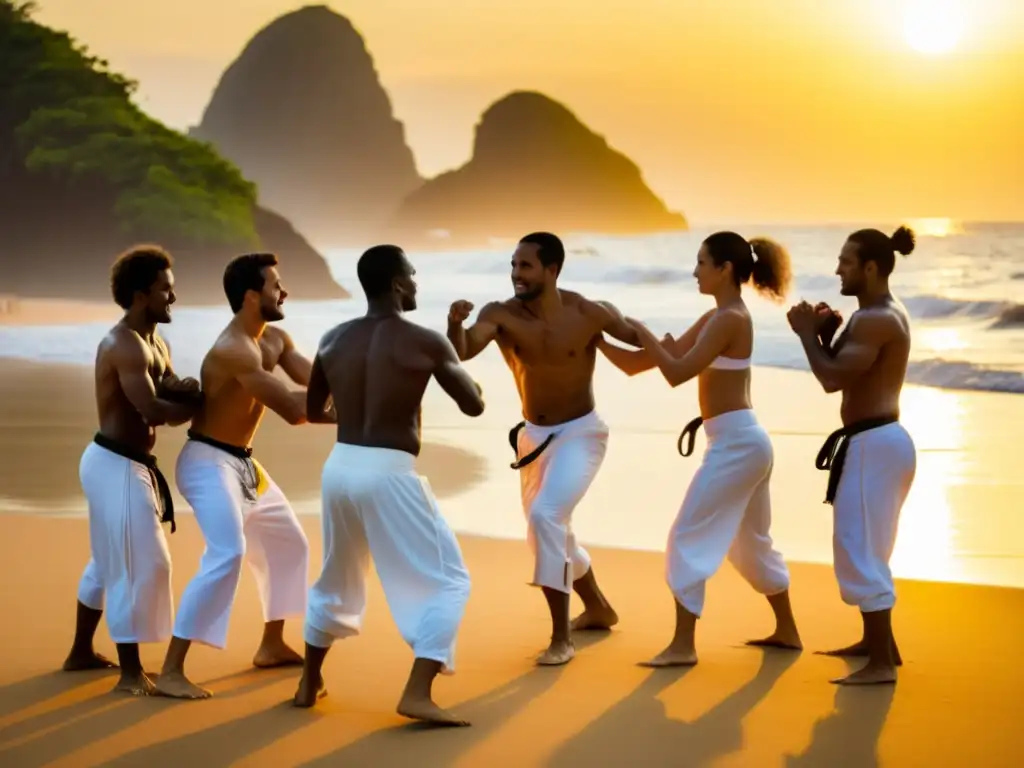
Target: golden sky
[742, 111]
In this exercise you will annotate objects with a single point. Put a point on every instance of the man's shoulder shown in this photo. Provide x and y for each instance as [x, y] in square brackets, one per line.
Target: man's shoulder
[495, 310]
[121, 342]
[878, 321]
[232, 348]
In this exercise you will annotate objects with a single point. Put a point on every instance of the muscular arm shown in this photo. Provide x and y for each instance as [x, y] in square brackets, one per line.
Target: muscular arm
[677, 370]
[613, 323]
[298, 367]
[245, 363]
[452, 377]
[634, 361]
[319, 406]
[470, 343]
[132, 364]
[839, 367]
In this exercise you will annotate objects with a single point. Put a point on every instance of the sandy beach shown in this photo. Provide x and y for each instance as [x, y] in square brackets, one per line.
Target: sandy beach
[738, 707]
[953, 704]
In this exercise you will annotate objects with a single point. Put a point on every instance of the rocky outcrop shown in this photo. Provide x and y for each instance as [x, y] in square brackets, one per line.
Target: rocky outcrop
[303, 114]
[51, 257]
[534, 166]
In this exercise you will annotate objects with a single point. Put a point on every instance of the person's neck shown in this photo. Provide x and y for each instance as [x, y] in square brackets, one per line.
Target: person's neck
[251, 325]
[137, 320]
[386, 306]
[874, 296]
[547, 304]
[727, 297]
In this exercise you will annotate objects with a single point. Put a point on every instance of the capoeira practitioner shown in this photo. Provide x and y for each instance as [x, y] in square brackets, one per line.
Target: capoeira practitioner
[727, 509]
[128, 496]
[549, 339]
[239, 508]
[376, 369]
[872, 459]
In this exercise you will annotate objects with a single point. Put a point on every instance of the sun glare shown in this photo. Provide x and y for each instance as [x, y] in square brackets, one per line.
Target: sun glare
[933, 26]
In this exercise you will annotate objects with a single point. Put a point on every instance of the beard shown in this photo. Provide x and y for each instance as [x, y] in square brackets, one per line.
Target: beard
[271, 313]
[159, 315]
[534, 292]
[408, 303]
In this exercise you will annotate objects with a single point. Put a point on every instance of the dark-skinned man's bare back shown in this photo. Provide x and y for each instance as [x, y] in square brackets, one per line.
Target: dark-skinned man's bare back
[376, 369]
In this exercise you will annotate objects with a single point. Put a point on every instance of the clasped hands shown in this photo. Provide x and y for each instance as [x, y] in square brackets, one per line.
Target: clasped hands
[818, 320]
[177, 390]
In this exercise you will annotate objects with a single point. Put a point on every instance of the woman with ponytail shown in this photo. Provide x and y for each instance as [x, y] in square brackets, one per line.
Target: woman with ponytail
[727, 508]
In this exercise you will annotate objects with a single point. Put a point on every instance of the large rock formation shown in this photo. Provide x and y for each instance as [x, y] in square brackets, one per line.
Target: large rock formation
[84, 174]
[534, 166]
[302, 112]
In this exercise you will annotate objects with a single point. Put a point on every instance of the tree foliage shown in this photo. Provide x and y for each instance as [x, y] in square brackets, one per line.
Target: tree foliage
[66, 118]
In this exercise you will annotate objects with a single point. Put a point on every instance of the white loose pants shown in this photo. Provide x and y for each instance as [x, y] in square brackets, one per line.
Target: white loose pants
[238, 520]
[875, 481]
[551, 487]
[727, 513]
[376, 505]
[130, 563]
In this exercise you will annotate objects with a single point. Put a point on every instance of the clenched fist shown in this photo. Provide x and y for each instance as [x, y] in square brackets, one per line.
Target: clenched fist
[459, 311]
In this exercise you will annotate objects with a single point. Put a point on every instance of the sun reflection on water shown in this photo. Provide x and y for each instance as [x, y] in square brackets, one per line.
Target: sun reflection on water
[926, 546]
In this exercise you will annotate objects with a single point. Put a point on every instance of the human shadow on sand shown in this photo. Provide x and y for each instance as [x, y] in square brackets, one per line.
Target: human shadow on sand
[25, 694]
[850, 734]
[51, 735]
[441, 747]
[636, 731]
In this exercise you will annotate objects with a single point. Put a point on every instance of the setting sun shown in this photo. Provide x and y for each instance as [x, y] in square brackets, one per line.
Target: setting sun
[933, 26]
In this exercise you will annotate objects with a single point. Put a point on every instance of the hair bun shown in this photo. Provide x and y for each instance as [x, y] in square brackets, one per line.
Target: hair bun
[903, 240]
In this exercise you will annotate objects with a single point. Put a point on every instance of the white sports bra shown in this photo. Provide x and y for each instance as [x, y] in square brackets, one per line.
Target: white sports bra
[730, 363]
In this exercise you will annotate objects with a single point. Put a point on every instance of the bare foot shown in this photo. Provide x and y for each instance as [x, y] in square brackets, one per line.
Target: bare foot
[672, 658]
[176, 686]
[308, 694]
[596, 619]
[860, 650]
[427, 711]
[787, 639]
[869, 675]
[558, 653]
[268, 657]
[136, 685]
[80, 661]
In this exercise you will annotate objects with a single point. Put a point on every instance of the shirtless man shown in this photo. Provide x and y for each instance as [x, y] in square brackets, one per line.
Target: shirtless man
[872, 459]
[549, 339]
[239, 508]
[128, 497]
[376, 369]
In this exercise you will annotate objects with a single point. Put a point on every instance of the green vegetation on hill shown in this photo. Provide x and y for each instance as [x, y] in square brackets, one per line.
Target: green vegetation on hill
[68, 122]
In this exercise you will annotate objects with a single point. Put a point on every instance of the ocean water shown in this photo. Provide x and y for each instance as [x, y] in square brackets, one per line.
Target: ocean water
[962, 285]
[961, 521]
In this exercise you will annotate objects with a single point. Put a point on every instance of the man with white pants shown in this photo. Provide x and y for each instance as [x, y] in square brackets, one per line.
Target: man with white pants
[872, 459]
[549, 339]
[376, 368]
[127, 494]
[241, 511]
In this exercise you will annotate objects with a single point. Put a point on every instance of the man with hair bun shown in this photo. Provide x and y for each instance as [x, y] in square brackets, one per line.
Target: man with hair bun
[872, 459]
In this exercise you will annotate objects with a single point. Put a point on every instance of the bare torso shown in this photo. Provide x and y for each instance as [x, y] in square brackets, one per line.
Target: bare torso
[119, 419]
[230, 414]
[377, 369]
[722, 390]
[552, 360]
[877, 392]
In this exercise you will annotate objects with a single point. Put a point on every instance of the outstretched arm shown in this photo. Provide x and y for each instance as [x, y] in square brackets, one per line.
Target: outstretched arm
[634, 361]
[613, 323]
[132, 362]
[470, 343]
[292, 362]
[245, 362]
[719, 332]
[319, 405]
[840, 367]
[453, 378]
